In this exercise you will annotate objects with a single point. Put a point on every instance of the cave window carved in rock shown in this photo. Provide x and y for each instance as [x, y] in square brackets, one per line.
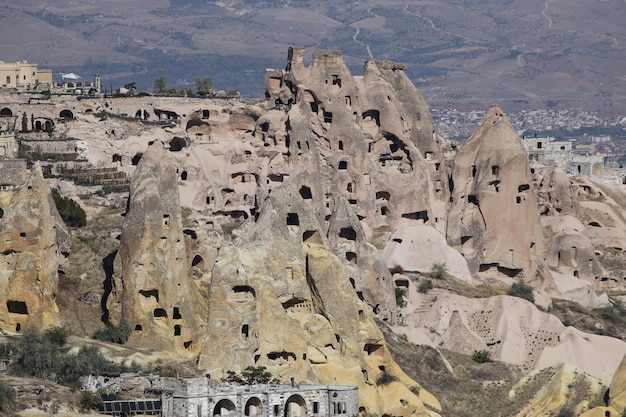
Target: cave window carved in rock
[18, 327]
[245, 330]
[116, 158]
[177, 330]
[305, 193]
[293, 219]
[177, 144]
[22, 235]
[348, 100]
[437, 166]
[373, 349]
[150, 293]
[210, 199]
[159, 313]
[523, 187]
[428, 156]
[188, 344]
[349, 187]
[351, 258]
[163, 242]
[383, 195]
[518, 199]
[135, 159]
[371, 117]
[420, 216]
[328, 117]
[312, 236]
[176, 314]
[183, 176]
[384, 210]
[347, 233]
[280, 358]
[17, 307]
[473, 199]
[166, 220]
[197, 261]
[438, 188]
[336, 80]
[205, 114]
[340, 145]
[242, 293]
[138, 328]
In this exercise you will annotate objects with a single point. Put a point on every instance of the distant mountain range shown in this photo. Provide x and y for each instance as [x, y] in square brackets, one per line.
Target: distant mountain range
[526, 53]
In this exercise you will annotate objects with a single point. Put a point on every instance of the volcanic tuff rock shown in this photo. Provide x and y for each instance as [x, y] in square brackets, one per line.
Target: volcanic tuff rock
[32, 240]
[151, 289]
[493, 201]
[281, 299]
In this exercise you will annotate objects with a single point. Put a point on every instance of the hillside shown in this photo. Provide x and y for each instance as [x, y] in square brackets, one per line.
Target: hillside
[529, 54]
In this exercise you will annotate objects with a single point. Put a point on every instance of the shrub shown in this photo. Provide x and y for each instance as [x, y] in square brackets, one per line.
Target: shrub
[481, 356]
[250, 375]
[57, 335]
[35, 356]
[400, 301]
[6, 396]
[438, 270]
[386, 378]
[71, 212]
[87, 361]
[521, 290]
[89, 401]
[425, 286]
[115, 334]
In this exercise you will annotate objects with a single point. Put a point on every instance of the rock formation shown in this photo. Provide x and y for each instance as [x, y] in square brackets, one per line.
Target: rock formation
[32, 240]
[493, 201]
[280, 298]
[152, 290]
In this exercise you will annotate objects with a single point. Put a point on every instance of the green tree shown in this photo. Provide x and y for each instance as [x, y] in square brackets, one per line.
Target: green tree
[115, 334]
[521, 290]
[400, 293]
[35, 357]
[24, 122]
[32, 122]
[481, 356]
[438, 270]
[250, 375]
[71, 212]
[160, 84]
[204, 85]
[6, 397]
[57, 335]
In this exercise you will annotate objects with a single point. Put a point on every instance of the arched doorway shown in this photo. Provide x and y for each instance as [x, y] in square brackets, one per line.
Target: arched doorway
[253, 407]
[66, 114]
[142, 114]
[295, 406]
[6, 112]
[224, 407]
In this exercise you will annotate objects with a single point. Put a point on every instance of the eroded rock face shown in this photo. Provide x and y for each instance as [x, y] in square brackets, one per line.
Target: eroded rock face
[280, 298]
[152, 290]
[493, 219]
[29, 256]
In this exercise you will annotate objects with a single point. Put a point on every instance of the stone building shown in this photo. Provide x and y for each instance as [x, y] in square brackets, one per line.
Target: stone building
[22, 74]
[198, 397]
